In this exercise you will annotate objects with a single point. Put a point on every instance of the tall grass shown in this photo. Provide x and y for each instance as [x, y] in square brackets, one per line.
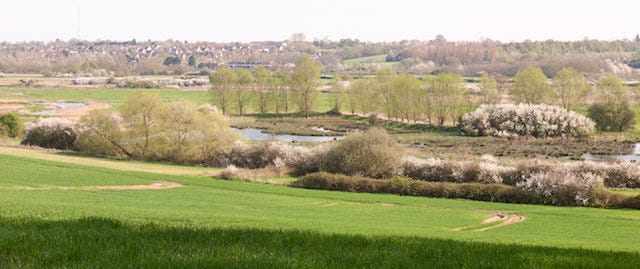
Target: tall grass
[96, 242]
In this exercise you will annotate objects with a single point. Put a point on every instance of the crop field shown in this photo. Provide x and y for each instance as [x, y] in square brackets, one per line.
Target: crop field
[51, 218]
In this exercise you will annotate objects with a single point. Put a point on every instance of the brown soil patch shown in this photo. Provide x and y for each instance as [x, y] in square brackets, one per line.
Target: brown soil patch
[9, 107]
[502, 219]
[156, 185]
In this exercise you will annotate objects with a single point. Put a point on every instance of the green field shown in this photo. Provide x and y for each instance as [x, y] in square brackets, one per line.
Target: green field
[117, 96]
[217, 223]
[380, 60]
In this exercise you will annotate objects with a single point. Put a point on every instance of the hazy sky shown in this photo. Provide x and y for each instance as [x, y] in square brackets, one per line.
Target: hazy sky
[372, 20]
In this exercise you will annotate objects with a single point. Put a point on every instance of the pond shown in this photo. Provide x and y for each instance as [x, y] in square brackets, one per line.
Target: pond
[633, 157]
[59, 105]
[259, 135]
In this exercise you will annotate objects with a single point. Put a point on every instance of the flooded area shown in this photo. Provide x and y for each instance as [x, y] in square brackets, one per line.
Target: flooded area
[633, 157]
[260, 135]
[59, 105]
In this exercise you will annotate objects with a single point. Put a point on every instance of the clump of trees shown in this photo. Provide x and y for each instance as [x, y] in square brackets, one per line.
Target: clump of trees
[268, 91]
[526, 120]
[612, 113]
[436, 99]
[150, 129]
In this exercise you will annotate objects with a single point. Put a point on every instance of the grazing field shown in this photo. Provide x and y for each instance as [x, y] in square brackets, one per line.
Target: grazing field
[216, 223]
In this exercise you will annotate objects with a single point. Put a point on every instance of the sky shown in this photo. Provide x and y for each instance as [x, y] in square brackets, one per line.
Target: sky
[372, 20]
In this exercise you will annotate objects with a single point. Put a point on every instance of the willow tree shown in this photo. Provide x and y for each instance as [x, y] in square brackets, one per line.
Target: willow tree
[569, 87]
[405, 99]
[384, 80]
[282, 87]
[264, 82]
[530, 86]
[143, 115]
[364, 96]
[242, 91]
[489, 93]
[447, 96]
[305, 81]
[339, 90]
[222, 82]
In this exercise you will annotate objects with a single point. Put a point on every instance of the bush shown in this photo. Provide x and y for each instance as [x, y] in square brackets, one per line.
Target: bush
[623, 175]
[372, 153]
[11, 125]
[564, 187]
[230, 172]
[487, 170]
[405, 186]
[302, 160]
[525, 120]
[494, 192]
[51, 133]
[612, 118]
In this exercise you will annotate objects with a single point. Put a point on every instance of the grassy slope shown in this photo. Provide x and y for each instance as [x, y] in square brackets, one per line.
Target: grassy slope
[209, 221]
[124, 165]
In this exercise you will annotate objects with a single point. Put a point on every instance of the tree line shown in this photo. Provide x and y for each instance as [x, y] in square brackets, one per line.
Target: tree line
[436, 99]
[271, 91]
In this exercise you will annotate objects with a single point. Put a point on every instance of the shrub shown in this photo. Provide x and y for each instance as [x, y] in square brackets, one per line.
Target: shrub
[487, 170]
[612, 118]
[230, 172]
[623, 175]
[11, 125]
[564, 187]
[302, 160]
[51, 133]
[525, 120]
[372, 153]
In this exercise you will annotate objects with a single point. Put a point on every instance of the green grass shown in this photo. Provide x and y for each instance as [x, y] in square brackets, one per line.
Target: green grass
[381, 58]
[218, 223]
[115, 97]
[627, 191]
[47, 173]
[112, 96]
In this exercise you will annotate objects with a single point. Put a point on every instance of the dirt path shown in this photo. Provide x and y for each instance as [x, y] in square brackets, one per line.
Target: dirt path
[156, 185]
[499, 217]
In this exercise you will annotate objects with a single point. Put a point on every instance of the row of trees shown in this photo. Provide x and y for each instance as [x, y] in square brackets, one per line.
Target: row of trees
[436, 99]
[271, 91]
